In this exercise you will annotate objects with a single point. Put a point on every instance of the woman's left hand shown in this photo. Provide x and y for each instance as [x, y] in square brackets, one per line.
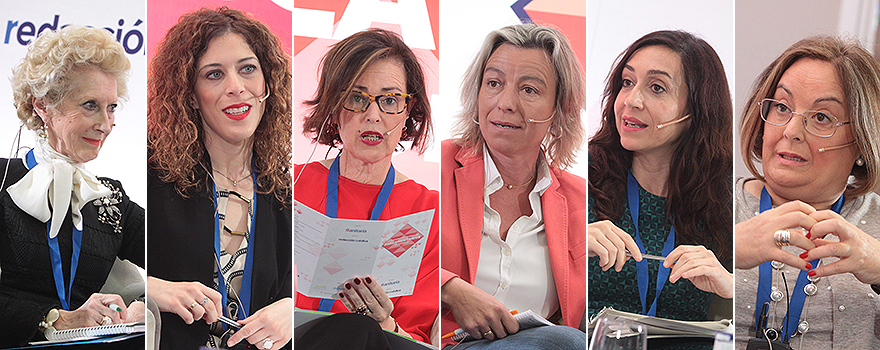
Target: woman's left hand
[857, 250]
[701, 267]
[272, 322]
[367, 293]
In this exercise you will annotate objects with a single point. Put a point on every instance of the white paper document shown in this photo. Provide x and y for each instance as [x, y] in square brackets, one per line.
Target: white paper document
[327, 251]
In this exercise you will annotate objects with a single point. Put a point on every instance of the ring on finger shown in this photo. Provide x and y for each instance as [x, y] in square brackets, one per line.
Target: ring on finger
[106, 320]
[203, 301]
[193, 305]
[782, 237]
[267, 343]
[361, 310]
[487, 334]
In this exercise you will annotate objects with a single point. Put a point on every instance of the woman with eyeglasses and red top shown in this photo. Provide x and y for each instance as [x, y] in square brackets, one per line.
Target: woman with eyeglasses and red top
[371, 96]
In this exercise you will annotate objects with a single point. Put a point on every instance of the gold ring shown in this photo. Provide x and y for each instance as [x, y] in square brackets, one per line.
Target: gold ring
[487, 334]
[106, 320]
[193, 305]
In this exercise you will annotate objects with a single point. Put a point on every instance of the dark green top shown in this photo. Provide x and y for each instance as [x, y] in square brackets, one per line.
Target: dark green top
[620, 290]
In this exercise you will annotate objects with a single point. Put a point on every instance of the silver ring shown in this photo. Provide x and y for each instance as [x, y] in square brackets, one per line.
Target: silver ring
[361, 310]
[203, 301]
[267, 343]
[782, 237]
[106, 321]
[487, 334]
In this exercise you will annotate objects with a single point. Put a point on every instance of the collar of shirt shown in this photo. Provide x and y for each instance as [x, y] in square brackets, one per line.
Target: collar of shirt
[494, 182]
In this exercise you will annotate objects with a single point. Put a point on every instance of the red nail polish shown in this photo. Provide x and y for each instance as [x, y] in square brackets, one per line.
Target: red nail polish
[804, 255]
[811, 273]
[357, 280]
[808, 234]
[809, 267]
[341, 295]
[347, 285]
[368, 279]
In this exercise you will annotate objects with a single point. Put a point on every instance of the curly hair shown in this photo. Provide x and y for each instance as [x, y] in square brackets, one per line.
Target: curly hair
[699, 196]
[343, 65]
[859, 75]
[175, 135]
[52, 60]
[562, 147]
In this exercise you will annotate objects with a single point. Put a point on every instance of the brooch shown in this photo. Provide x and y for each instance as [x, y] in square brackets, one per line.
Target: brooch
[108, 212]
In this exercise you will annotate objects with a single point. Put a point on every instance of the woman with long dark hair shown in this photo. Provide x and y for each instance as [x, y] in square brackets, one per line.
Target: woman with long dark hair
[660, 182]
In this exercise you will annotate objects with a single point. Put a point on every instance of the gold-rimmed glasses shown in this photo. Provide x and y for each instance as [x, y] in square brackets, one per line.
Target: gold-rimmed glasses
[393, 103]
[821, 124]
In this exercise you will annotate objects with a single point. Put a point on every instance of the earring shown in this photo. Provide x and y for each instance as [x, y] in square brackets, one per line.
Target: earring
[476, 121]
[331, 129]
[860, 161]
[42, 133]
[403, 134]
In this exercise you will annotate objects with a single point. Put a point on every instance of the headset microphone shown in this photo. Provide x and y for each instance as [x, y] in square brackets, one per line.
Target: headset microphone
[826, 149]
[530, 120]
[679, 120]
[395, 127]
[264, 97]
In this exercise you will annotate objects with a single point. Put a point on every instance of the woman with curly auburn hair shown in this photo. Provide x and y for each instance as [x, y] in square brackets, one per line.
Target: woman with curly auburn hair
[219, 128]
[660, 182]
[62, 227]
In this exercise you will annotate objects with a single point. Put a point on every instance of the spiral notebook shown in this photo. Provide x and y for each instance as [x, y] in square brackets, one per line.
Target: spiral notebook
[92, 332]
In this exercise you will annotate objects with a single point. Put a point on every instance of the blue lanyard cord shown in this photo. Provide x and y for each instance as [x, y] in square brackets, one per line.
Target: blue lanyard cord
[246, 283]
[632, 193]
[332, 201]
[765, 280]
[55, 252]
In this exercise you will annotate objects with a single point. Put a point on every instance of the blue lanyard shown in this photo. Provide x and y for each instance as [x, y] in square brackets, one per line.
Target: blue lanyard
[765, 279]
[55, 252]
[245, 296]
[333, 198]
[632, 193]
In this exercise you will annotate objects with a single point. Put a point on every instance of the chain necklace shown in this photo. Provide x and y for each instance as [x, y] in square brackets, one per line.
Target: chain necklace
[516, 186]
[235, 182]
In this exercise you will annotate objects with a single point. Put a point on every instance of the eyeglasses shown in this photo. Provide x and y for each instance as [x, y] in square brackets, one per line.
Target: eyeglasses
[817, 123]
[393, 103]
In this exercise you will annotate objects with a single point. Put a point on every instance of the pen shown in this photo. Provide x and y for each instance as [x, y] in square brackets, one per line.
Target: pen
[461, 331]
[648, 256]
[114, 307]
[229, 321]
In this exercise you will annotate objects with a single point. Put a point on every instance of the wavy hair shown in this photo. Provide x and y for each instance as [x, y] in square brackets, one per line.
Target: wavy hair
[175, 134]
[699, 194]
[52, 61]
[344, 64]
[566, 130]
[859, 75]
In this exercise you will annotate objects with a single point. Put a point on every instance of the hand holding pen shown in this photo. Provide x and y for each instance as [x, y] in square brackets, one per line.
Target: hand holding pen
[610, 244]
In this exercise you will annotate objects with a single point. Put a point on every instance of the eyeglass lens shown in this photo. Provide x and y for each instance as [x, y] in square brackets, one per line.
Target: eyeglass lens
[817, 123]
[358, 102]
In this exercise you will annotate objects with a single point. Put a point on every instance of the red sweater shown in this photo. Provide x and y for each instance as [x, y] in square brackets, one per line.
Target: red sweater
[414, 313]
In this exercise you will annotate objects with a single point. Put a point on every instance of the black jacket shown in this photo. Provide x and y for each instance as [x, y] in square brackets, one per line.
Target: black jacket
[181, 248]
[27, 287]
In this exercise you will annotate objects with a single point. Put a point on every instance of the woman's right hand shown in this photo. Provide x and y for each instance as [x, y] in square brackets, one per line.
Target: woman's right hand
[754, 240]
[610, 243]
[192, 301]
[476, 311]
[92, 312]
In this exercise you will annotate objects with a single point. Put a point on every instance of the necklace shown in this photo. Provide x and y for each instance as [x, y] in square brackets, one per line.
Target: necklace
[235, 182]
[515, 186]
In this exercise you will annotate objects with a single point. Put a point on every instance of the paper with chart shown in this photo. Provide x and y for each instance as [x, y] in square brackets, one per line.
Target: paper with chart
[327, 251]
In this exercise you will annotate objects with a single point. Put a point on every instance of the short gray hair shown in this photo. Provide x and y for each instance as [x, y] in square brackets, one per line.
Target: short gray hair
[562, 144]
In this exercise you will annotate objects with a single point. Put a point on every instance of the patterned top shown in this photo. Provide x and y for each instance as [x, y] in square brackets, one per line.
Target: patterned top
[620, 290]
[233, 264]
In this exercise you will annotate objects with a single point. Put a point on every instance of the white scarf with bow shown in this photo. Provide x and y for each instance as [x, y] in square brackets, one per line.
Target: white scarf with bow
[57, 181]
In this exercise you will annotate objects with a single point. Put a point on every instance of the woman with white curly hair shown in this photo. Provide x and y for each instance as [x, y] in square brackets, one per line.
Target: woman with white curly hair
[62, 227]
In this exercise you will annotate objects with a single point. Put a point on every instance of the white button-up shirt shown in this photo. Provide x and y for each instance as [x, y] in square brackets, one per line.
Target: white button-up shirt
[516, 271]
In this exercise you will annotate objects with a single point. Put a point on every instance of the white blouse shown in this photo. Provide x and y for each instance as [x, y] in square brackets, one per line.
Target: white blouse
[517, 271]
